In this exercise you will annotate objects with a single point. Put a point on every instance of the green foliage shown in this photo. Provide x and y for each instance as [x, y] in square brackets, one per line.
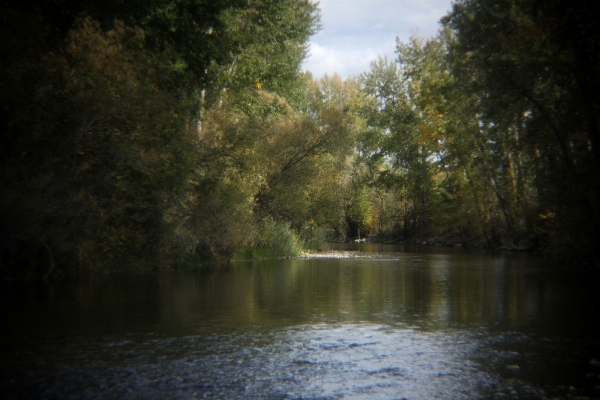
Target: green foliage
[278, 237]
[101, 145]
[271, 239]
[231, 45]
[104, 122]
[533, 68]
[485, 130]
[188, 134]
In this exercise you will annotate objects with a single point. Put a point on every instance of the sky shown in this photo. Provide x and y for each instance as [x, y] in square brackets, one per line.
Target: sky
[355, 32]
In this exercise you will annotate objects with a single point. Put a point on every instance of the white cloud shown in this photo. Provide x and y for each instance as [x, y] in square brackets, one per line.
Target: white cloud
[356, 32]
[327, 60]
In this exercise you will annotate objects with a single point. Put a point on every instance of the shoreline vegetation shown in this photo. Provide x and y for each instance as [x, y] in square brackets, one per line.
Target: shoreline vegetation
[174, 133]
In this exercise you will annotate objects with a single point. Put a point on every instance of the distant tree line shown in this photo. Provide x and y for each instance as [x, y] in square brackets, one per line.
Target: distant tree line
[169, 132]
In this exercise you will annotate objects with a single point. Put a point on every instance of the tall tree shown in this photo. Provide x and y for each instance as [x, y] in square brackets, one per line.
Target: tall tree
[102, 155]
[533, 66]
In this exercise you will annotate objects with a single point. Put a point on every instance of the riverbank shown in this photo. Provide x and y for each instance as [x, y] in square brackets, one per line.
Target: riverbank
[339, 254]
[525, 245]
[563, 258]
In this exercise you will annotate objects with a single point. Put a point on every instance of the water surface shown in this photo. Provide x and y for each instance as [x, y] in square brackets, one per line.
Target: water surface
[410, 323]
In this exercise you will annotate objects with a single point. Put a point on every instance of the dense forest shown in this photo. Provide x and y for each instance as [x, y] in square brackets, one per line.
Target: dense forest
[173, 132]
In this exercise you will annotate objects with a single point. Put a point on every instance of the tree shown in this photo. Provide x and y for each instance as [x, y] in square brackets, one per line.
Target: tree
[533, 66]
[101, 119]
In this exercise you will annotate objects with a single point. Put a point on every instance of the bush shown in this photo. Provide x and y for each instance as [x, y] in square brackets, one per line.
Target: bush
[271, 239]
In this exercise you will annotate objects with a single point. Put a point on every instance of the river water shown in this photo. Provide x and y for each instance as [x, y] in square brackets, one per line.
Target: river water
[410, 323]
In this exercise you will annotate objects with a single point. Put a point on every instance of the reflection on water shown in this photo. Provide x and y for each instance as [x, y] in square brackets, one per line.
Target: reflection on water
[414, 324]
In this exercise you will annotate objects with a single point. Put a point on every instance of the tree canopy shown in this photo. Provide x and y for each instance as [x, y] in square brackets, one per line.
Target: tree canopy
[166, 132]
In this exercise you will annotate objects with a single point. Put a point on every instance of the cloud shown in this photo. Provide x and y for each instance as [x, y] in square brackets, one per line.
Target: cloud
[356, 32]
[345, 61]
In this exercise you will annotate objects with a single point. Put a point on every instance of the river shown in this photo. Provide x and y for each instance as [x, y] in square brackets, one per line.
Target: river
[410, 323]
